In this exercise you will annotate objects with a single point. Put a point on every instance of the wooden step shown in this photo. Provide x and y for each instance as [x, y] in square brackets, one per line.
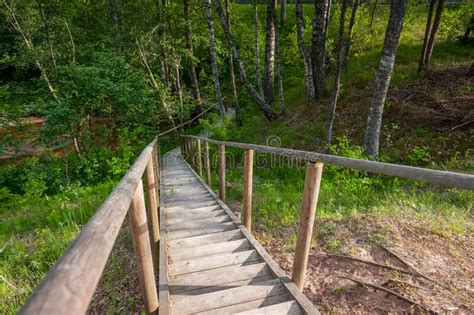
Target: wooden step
[229, 277]
[209, 229]
[188, 200]
[175, 218]
[177, 254]
[202, 240]
[191, 205]
[213, 262]
[230, 300]
[290, 308]
[199, 223]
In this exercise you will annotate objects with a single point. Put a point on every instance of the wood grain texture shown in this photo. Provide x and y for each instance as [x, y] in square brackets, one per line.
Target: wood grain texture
[69, 285]
[152, 209]
[450, 179]
[198, 157]
[305, 230]
[177, 254]
[143, 252]
[248, 180]
[221, 153]
[207, 160]
[289, 308]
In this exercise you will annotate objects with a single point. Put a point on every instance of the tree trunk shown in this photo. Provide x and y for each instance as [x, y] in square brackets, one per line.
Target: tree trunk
[308, 71]
[191, 67]
[350, 31]
[434, 30]
[71, 39]
[281, 97]
[337, 80]
[264, 107]
[48, 33]
[319, 48]
[427, 35]
[212, 44]
[115, 25]
[283, 13]
[238, 114]
[372, 17]
[269, 71]
[382, 81]
[258, 78]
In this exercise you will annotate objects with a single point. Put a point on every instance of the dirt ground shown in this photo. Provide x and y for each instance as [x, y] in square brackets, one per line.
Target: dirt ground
[448, 261]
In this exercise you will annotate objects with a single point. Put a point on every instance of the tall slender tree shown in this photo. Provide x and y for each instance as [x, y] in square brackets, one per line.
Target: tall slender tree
[319, 48]
[191, 66]
[432, 39]
[382, 80]
[308, 70]
[115, 25]
[238, 114]
[337, 81]
[269, 70]
[350, 32]
[212, 48]
[259, 100]
[427, 35]
[283, 6]
[279, 66]
[258, 78]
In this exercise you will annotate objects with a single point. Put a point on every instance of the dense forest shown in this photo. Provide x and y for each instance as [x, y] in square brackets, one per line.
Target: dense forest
[86, 85]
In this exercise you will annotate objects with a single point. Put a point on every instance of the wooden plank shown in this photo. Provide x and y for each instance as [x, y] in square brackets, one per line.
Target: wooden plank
[221, 154]
[228, 276]
[60, 292]
[207, 162]
[451, 179]
[201, 240]
[248, 177]
[196, 224]
[213, 262]
[179, 200]
[175, 218]
[191, 205]
[290, 287]
[152, 209]
[190, 212]
[163, 285]
[220, 299]
[209, 229]
[290, 308]
[177, 254]
[232, 309]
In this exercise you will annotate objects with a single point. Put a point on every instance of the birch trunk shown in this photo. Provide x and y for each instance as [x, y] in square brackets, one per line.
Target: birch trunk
[372, 17]
[115, 25]
[212, 48]
[281, 97]
[191, 67]
[238, 114]
[269, 71]
[319, 48]
[264, 107]
[308, 71]
[337, 81]
[283, 13]
[350, 31]
[382, 80]
[434, 30]
[258, 78]
[48, 33]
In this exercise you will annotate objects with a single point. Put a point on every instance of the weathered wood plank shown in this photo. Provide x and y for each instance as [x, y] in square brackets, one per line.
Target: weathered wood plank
[190, 206]
[196, 224]
[177, 254]
[213, 262]
[228, 276]
[175, 218]
[220, 299]
[210, 229]
[232, 309]
[201, 240]
[289, 308]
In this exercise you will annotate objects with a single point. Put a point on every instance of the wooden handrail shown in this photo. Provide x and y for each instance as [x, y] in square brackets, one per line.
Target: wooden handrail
[69, 286]
[451, 179]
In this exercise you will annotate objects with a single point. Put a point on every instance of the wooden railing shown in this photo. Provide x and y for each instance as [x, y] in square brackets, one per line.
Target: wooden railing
[314, 169]
[69, 286]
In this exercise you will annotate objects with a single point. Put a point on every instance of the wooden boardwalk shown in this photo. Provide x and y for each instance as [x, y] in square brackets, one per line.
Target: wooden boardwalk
[209, 262]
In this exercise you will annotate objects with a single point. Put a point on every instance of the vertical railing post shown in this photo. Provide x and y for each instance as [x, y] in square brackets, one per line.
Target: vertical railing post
[207, 161]
[248, 176]
[221, 154]
[141, 243]
[157, 164]
[305, 230]
[198, 157]
[150, 180]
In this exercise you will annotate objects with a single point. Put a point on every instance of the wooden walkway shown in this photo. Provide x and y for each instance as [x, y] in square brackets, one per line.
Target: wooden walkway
[209, 262]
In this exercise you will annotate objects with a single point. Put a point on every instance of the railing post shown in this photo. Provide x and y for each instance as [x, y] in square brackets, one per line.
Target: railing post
[141, 242]
[248, 179]
[305, 230]
[207, 160]
[221, 153]
[198, 157]
[157, 168]
[152, 209]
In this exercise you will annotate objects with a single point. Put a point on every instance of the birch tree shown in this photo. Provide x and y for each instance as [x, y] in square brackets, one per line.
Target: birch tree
[212, 50]
[269, 70]
[308, 71]
[350, 31]
[258, 78]
[319, 48]
[382, 80]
